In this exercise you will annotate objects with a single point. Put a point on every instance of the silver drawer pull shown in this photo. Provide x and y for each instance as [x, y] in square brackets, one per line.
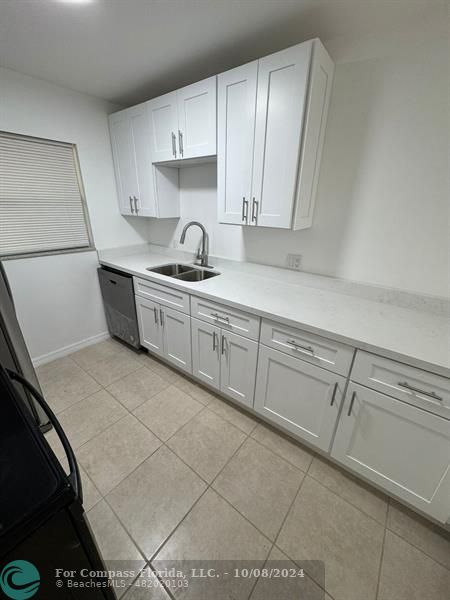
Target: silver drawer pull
[155, 310]
[161, 316]
[307, 349]
[180, 142]
[174, 145]
[220, 318]
[407, 386]
[333, 395]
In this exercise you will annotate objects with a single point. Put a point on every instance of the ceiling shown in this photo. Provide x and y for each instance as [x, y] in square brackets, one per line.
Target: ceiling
[127, 51]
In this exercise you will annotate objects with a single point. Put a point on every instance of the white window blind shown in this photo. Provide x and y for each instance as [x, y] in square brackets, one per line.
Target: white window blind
[42, 205]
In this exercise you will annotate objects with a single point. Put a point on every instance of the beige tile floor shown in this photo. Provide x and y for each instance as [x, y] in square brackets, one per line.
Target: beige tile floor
[172, 472]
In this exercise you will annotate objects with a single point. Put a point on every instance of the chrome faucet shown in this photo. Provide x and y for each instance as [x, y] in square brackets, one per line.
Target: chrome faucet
[202, 255]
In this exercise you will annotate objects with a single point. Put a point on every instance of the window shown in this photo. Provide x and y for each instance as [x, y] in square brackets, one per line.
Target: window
[42, 204]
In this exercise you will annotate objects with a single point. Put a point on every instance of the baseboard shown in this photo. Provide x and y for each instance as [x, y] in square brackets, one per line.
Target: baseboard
[45, 358]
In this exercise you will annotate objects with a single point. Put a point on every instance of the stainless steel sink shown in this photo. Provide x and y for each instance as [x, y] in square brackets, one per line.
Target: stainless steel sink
[196, 275]
[183, 272]
[170, 270]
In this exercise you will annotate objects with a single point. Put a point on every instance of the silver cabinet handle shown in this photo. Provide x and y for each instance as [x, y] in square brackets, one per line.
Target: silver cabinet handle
[180, 142]
[254, 213]
[307, 349]
[155, 310]
[135, 204]
[351, 404]
[131, 204]
[220, 318]
[161, 316]
[244, 210]
[224, 345]
[174, 145]
[411, 388]
[214, 341]
[333, 396]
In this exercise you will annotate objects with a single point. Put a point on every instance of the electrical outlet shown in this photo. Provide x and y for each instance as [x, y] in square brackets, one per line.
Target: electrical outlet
[294, 261]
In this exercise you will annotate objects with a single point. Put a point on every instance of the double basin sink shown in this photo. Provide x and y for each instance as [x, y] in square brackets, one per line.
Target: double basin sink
[183, 272]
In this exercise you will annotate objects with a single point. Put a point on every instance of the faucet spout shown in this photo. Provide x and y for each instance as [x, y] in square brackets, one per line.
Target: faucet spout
[203, 254]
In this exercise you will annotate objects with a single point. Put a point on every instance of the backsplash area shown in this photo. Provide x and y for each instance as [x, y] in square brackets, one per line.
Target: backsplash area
[376, 293]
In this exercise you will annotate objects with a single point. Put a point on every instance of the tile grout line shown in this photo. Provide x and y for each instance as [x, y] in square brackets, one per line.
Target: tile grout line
[208, 487]
[348, 501]
[284, 552]
[380, 566]
[297, 445]
[444, 534]
[278, 532]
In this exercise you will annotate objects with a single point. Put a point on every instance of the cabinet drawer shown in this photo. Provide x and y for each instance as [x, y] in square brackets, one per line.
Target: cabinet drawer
[229, 319]
[424, 389]
[160, 293]
[315, 349]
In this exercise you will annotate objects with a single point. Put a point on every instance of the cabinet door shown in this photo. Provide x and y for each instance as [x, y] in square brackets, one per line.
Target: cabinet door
[124, 160]
[300, 397]
[144, 199]
[400, 447]
[149, 322]
[206, 352]
[177, 338]
[236, 110]
[238, 367]
[280, 107]
[197, 119]
[164, 127]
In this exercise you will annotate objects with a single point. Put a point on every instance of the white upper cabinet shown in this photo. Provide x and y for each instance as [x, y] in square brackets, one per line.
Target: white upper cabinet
[280, 109]
[144, 199]
[285, 134]
[164, 127]
[183, 123]
[124, 161]
[197, 119]
[236, 111]
[143, 189]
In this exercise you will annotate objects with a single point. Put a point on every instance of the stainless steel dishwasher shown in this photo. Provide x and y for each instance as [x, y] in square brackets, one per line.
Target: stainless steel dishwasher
[120, 308]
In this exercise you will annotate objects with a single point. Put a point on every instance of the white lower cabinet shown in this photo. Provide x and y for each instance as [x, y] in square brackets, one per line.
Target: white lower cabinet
[205, 352]
[225, 361]
[176, 328]
[149, 322]
[401, 448]
[239, 356]
[166, 332]
[301, 397]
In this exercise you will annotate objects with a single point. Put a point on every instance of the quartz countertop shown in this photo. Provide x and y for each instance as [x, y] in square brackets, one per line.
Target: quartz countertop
[416, 337]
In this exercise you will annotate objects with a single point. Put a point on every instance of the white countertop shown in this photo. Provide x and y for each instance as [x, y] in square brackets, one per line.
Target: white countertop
[416, 337]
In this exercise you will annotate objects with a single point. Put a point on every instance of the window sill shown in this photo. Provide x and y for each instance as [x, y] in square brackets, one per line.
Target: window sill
[47, 253]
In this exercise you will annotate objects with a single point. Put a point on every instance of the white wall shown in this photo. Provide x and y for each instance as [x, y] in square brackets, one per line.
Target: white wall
[57, 297]
[382, 210]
